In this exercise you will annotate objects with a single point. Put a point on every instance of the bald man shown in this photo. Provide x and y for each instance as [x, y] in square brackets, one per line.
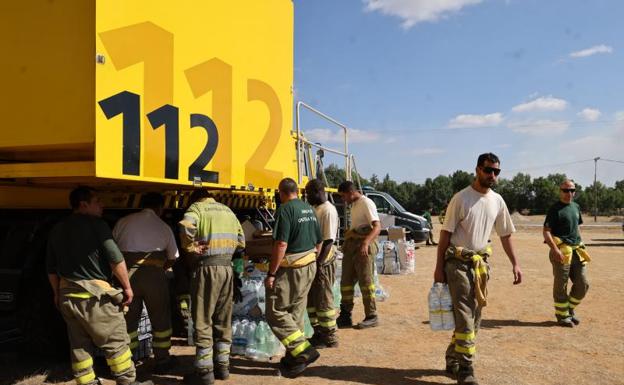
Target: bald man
[568, 255]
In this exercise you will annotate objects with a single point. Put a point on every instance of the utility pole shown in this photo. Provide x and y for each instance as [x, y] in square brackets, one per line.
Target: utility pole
[596, 159]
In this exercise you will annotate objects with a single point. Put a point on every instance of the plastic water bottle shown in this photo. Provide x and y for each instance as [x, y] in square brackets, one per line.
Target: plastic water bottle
[251, 349]
[446, 305]
[440, 307]
[307, 326]
[435, 307]
[260, 292]
[262, 342]
[337, 293]
[190, 329]
[238, 341]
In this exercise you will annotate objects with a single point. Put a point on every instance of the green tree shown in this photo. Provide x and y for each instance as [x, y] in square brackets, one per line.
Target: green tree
[461, 179]
[546, 192]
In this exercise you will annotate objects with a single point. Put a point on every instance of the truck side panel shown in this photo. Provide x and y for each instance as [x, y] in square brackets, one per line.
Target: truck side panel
[196, 91]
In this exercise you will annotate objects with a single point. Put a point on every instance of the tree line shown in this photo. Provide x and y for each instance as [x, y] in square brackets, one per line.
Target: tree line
[521, 193]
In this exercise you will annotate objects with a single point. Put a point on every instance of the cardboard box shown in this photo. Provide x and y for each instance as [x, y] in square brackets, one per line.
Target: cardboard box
[396, 233]
[259, 247]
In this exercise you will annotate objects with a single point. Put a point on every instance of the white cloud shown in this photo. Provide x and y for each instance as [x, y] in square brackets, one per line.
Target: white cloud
[413, 12]
[597, 49]
[619, 116]
[325, 135]
[504, 145]
[544, 103]
[590, 114]
[474, 121]
[428, 151]
[542, 127]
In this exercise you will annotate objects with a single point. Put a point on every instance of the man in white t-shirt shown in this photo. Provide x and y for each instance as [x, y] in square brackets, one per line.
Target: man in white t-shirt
[463, 250]
[149, 248]
[320, 306]
[359, 251]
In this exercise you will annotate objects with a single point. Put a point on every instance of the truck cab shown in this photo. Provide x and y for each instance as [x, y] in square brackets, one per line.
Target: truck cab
[416, 225]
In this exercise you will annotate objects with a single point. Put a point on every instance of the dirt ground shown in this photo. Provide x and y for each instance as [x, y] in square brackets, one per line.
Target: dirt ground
[519, 342]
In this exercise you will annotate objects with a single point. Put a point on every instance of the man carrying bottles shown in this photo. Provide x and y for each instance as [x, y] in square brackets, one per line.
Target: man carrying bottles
[462, 260]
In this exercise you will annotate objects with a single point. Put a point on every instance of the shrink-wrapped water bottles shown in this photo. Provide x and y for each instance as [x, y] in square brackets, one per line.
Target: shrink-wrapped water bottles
[440, 307]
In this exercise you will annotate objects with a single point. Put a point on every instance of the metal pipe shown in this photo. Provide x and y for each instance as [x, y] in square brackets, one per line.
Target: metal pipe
[329, 118]
[596, 159]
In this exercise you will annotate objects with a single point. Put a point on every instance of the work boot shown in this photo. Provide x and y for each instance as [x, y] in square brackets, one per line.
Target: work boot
[291, 367]
[369, 322]
[322, 341]
[148, 382]
[196, 378]
[452, 368]
[222, 371]
[575, 320]
[465, 376]
[566, 322]
[344, 320]
[166, 366]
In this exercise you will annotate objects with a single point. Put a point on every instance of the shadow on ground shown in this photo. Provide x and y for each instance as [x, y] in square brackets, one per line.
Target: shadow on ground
[500, 323]
[604, 244]
[374, 376]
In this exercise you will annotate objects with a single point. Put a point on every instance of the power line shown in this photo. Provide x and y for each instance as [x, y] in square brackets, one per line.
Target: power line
[552, 165]
[611, 160]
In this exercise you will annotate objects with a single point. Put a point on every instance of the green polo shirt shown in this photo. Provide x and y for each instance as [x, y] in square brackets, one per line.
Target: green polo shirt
[296, 224]
[82, 247]
[563, 220]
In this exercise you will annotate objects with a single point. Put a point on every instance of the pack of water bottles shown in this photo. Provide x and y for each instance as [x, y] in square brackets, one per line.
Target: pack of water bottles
[255, 340]
[396, 257]
[253, 299]
[440, 307]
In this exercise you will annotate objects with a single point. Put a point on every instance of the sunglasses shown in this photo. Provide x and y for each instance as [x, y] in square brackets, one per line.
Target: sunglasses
[568, 190]
[489, 170]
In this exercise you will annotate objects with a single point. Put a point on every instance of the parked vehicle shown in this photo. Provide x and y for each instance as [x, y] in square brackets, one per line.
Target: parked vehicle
[386, 204]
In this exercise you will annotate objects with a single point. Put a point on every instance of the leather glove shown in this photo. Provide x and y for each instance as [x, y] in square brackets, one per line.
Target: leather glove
[238, 295]
[184, 306]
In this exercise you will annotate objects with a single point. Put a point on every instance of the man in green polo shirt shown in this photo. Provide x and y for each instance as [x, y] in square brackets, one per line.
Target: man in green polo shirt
[567, 254]
[297, 238]
[81, 259]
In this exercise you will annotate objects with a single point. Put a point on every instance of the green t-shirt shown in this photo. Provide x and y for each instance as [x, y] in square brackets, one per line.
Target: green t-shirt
[296, 224]
[427, 216]
[82, 247]
[563, 220]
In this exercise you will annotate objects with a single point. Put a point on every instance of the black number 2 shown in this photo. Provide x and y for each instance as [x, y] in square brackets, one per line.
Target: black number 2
[197, 168]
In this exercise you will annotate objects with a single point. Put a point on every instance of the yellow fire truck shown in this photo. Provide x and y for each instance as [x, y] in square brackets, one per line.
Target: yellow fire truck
[130, 97]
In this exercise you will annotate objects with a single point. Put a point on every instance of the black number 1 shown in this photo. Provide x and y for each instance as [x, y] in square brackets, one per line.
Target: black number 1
[167, 115]
[128, 104]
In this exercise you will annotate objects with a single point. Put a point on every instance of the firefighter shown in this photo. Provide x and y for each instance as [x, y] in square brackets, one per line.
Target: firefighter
[81, 260]
[321, 309]
[567, 254]
[297, 238]
[211, 234]
[358, 261]
[149, 248]
[462, 260]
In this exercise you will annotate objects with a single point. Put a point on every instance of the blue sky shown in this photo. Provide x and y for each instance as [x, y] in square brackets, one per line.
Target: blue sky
[427, 85]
